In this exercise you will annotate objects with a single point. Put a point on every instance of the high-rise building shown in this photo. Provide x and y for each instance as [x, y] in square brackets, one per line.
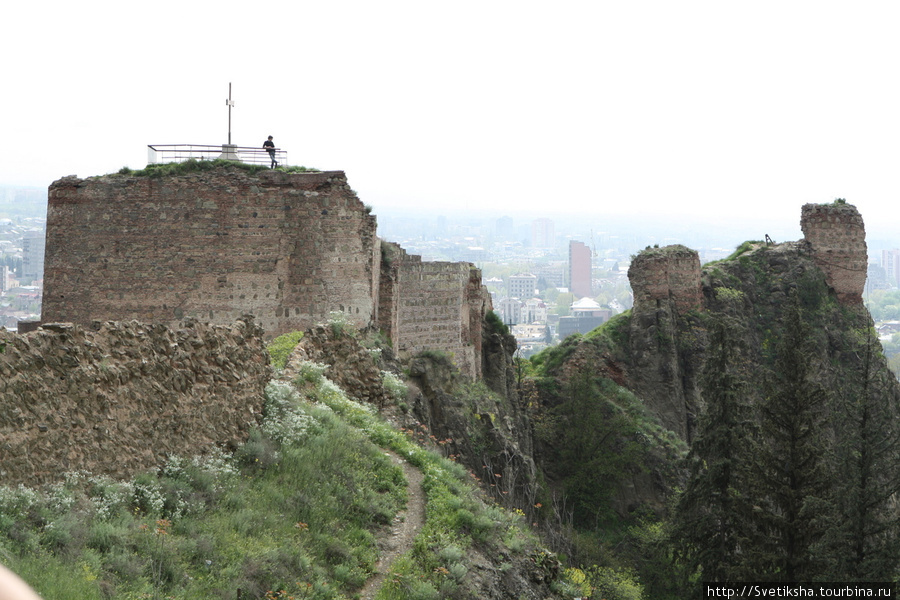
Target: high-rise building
[553, 275]
[33, 254]
[580, 269]
[504, 228]
[543, 234]
[890, 261]
[5, 278]
[521, 286]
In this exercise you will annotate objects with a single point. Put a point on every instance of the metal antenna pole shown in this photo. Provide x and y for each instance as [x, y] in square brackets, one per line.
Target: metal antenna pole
[230, 103]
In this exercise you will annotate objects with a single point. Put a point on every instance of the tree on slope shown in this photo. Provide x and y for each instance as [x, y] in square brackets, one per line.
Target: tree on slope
[711, 529]
[862, 542]
[791, 479]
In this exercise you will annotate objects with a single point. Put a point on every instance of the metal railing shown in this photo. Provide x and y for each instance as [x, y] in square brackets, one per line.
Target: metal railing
[169, 153]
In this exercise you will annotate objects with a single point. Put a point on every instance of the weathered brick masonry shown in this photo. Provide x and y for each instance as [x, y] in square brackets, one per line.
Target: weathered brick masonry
[835, 234]
[433, 305]
[121, 399]
[837, 237]
[288, 248]
[671, 273]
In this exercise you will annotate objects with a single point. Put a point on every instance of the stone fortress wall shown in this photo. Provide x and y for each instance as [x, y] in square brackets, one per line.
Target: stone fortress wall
[668, 273]
[119, 398]
[834, 232]
[211, 245]
[160, 292]
[289, 248]
[837, 236]
[175, 262]
[433, 306]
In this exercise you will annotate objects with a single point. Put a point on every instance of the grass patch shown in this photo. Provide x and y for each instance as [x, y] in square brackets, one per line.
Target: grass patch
[295, 509]
[292, 513]
[197, 166]
[457, 518]
[281, 347]
[745, 247]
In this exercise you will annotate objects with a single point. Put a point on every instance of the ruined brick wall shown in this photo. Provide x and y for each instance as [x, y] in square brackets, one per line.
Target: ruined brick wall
[837, 236]
[439, 304]
[119, 400]
[668, 273]
[287, 247]
[392, 256]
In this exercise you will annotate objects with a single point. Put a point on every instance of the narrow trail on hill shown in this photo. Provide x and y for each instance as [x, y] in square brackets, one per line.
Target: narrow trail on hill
[397, 539]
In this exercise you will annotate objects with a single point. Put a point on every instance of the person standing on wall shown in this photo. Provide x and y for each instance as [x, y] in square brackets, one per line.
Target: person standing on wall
[269, 145]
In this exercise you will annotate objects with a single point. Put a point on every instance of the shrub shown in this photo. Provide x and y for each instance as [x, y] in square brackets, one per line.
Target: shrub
[285, 421]
[258, 453]
[612, 584]
[394, 387]
[340, 324]
[495, 324]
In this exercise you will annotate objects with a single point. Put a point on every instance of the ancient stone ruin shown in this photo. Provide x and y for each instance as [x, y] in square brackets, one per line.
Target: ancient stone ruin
[289, 248]
[122, 398]
[834, 233]
[671, 273]
[837, 236]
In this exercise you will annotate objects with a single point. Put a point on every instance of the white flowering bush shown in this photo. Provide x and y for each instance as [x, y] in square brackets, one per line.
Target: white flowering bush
[286, 421]
[310, 372]
[16, 502]
[394, 386]
[340, 324]
[216, 464]
[149, 496]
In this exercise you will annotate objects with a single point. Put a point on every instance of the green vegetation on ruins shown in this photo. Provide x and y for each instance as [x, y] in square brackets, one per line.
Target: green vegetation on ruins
[292, 513]
[196, 166]
[777, 367]
[495, 324]
[281, 347]
[611, 337]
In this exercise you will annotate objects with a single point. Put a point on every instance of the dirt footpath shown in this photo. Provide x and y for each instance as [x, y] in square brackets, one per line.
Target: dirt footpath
[398, 539]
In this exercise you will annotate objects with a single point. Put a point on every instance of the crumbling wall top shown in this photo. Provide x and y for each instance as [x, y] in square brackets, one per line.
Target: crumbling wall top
[837, 236]
[668, 273]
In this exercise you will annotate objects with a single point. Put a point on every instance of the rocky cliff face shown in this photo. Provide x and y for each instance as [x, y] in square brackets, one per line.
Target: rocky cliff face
[657, 351]
[674, 299]
[666, 284]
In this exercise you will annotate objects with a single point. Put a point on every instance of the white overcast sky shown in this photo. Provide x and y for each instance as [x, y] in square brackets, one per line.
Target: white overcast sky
[684, 107]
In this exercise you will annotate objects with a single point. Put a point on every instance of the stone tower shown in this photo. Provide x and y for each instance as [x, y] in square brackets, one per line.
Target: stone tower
[837, 237]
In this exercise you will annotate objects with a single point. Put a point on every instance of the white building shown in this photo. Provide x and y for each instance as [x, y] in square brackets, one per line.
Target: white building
[509, 310]
[522, 286]
[534, 311]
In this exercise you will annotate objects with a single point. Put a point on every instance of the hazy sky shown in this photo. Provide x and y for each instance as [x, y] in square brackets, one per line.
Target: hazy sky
[696, 108]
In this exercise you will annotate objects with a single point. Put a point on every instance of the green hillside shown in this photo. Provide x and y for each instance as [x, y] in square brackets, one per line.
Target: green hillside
[296, 512]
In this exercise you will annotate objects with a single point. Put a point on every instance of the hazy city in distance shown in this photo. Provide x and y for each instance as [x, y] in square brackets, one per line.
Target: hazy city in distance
[504, 244]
